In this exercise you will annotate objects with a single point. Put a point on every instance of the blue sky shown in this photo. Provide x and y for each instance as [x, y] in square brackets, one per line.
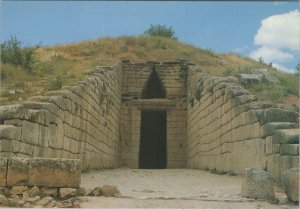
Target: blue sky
[221, 26]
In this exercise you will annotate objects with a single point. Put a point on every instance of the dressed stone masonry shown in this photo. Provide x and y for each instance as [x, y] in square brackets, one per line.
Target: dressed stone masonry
[77, 122]
[229, 130]
[210, 123]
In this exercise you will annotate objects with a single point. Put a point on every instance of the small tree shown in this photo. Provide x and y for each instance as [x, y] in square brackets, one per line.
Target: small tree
[161, 30]
[261, 60]
[13, 53]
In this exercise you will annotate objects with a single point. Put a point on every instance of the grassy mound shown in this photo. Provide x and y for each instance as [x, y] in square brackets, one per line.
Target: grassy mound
[64, 64]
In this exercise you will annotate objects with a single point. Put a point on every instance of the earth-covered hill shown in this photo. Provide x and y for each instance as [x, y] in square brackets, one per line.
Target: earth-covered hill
[59, 65]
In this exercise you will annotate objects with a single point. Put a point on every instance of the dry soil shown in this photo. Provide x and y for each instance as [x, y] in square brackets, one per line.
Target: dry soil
[173, 188]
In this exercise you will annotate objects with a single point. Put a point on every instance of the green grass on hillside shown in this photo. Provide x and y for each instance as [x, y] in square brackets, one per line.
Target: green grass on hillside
[64, 64]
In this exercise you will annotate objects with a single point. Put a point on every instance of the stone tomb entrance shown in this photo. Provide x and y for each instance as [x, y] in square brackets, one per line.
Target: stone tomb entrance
[153, 142]
[152, 152]
[153, 116]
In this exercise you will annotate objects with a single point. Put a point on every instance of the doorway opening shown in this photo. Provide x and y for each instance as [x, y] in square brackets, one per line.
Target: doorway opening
[153, 142]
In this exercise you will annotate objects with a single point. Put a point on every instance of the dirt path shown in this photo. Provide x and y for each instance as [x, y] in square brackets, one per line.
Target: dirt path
[172, 188]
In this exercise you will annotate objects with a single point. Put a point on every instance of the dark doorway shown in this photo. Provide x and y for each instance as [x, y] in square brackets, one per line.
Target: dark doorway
[153, 143]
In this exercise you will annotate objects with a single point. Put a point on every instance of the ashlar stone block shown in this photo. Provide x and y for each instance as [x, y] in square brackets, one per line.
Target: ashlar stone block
[18, 171]
[54, 172]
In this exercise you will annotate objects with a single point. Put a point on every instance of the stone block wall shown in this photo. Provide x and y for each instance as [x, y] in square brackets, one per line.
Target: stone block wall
[282, 148]
[172, 75]
[228, 130]
[77, 122]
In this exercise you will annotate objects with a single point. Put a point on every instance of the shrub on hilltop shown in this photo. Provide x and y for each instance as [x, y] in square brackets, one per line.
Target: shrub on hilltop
[161, 31]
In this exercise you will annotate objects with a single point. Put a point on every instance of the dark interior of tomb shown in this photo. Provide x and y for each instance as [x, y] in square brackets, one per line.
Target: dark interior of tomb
[154, 87]
[153, 144]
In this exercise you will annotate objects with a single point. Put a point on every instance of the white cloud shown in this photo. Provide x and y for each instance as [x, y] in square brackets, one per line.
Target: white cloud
[271, 54]
[283, 68]
[278, 38]
[280, 31]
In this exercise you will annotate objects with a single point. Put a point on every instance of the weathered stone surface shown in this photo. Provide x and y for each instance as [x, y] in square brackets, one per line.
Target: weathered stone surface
[13, 202]
[257, 184]
[3, 201]
[243, 99]
[15, 197]
[286, 136]
[18, 189]
[18, 171]
[290, 181]
[21, 202]
[34, 191]
[267, 76]
[286, 162]
[109, 190]
[269, 145]
[289, 149]
[54, 172]
[53, 192]
[67, 192]
[25, 195]
[250, 78]
[260, 105]
[33, 199]
[3, 171]
[276, 115]
[75, 202]
[38, 206]
[4, 191]
[27, 205]
[13, 111]
[270, 128]
[81, 191]
[51, 204]
[44, 201]
[94, 192]
[10, 132]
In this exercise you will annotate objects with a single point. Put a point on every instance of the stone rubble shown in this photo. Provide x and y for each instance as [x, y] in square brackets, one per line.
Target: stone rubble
[257, 184]
[47, 197]
[109, 191]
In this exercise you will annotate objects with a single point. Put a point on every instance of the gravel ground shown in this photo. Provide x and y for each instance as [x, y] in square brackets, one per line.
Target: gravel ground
[173, 188]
